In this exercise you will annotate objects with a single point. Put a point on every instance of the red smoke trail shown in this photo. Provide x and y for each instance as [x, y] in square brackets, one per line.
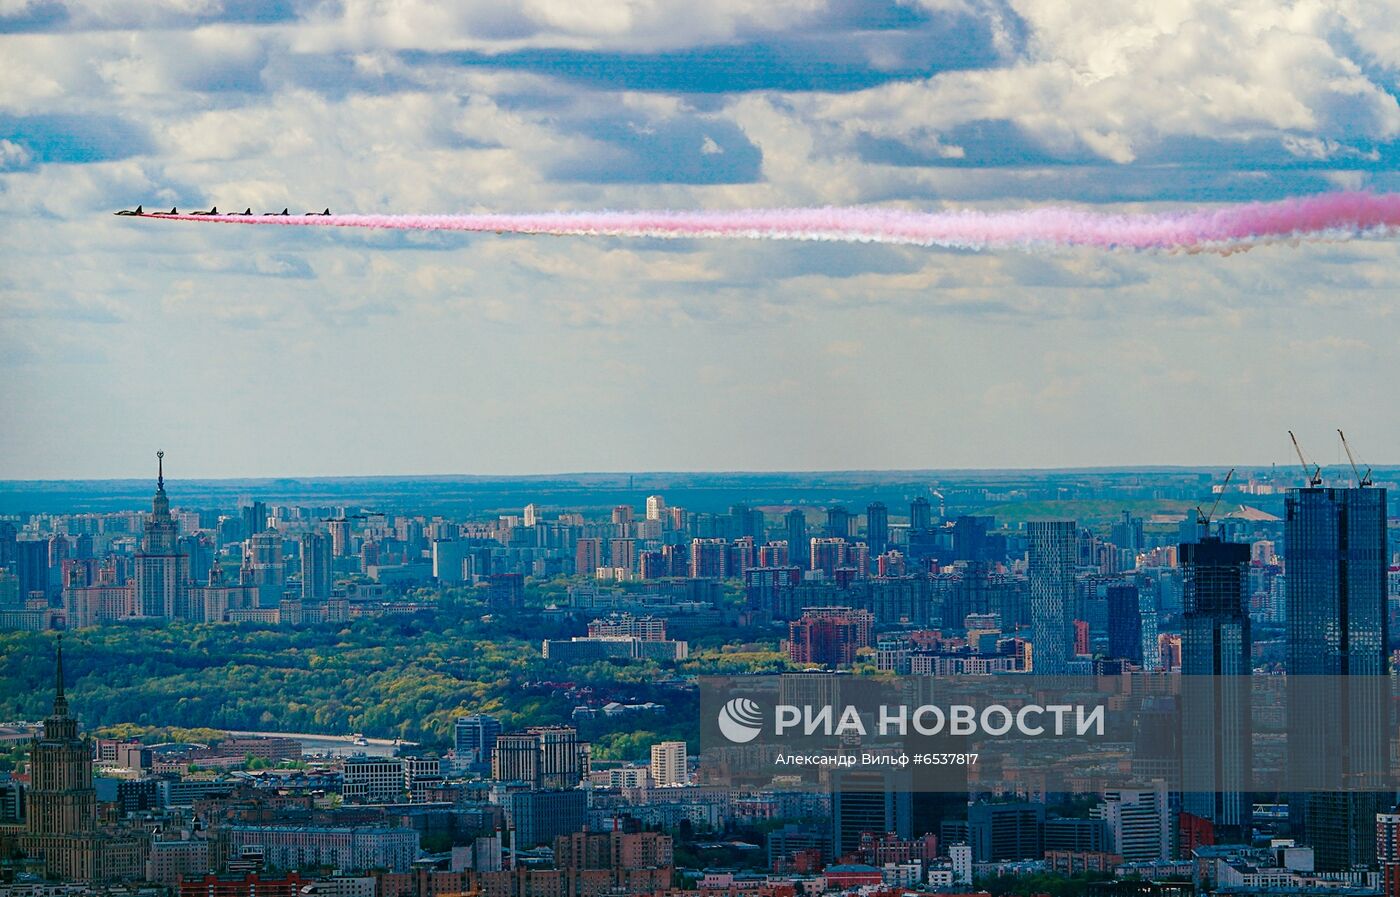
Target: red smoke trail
[1224, 229]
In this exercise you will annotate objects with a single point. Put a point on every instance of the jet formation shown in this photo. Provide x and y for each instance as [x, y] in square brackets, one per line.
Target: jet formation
[139, 212]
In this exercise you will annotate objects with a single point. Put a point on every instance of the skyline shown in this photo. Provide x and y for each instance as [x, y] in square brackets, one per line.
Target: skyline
[345, 354]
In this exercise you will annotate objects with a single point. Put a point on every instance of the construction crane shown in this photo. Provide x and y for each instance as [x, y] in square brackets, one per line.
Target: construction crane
[1362, 480]
[1202, 518]
[1314, 476]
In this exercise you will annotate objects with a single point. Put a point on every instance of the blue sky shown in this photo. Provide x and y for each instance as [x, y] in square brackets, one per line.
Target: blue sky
[255, 353]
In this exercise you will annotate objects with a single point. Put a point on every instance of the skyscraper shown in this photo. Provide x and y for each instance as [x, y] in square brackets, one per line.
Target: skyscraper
[475, 738]
[1050, 569]
[795, 522]
[254, 518]
[162, 574]
[1124, 622]
[920, 515]
[1335, 543]
[61, 819]
[316, 575]
[877, 527]
[1217, 740]
[264, 555]
[838, 522]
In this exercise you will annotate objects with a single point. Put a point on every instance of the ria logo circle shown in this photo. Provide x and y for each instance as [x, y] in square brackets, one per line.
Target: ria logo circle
[740, 720]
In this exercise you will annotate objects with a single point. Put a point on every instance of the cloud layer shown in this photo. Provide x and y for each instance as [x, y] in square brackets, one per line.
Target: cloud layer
[253, 353]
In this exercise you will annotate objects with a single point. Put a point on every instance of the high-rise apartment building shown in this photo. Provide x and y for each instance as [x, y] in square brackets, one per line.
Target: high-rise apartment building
[316, 575]
[544, 757]
[795, 526]
[877, 527]
[669, 764]
[1050, 570]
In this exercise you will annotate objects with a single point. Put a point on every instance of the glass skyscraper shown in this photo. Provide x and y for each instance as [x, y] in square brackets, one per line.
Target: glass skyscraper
[1216, 663]
[1335, 543]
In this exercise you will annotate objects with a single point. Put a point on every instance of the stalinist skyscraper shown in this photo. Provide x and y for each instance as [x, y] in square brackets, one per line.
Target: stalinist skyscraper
[61, 818]
[162, 581]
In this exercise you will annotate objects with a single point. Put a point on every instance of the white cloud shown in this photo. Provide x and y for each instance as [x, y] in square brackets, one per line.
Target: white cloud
[1117, 79]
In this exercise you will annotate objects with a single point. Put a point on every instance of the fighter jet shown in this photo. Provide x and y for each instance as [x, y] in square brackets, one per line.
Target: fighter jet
[326, 212]
[283, 212]
[247, 211]
[213, 210]
[137, 212]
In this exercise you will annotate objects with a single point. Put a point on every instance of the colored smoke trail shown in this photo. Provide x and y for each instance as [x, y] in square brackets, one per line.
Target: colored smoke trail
[1226, 229]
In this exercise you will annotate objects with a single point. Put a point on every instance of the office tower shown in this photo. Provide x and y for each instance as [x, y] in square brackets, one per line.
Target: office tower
[795, 525]
[588, 556]
[1138, 823]
[448, 557]
[316, 578]
[830, 636]
[920, 515]
[669, 764]
[864, 802]
[656, 507]
[709, 558]
[263, 553]
[373, 780]
[877, 528]
[61, 805]
[340, 536]
[474, 738]
[1050, 570]
[254, 518]
[536, 818]
[1217, 739]
[838, 522]
[1009, 831]
[1124, 622]
[1335, 555]
[162, 574]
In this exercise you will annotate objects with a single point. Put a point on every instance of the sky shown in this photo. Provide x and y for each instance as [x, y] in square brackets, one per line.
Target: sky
[282, 352]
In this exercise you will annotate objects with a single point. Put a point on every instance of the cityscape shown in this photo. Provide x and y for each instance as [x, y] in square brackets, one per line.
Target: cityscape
[204, 738]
